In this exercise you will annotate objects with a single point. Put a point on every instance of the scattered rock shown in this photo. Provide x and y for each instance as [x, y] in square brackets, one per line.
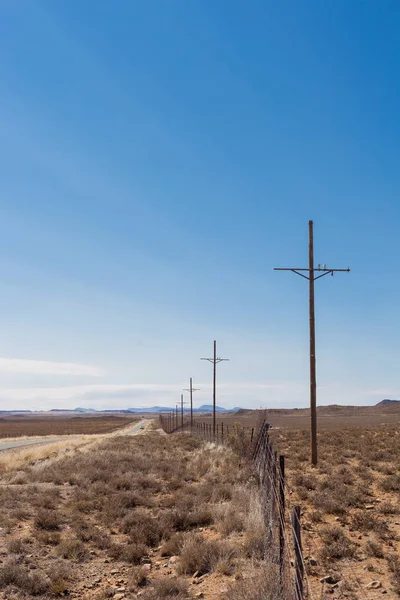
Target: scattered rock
[173, 560]
[330, 579]
[119, 596]
[199, 595]
[374, 585]
[146, 567]
[370, 507]
[114, 572]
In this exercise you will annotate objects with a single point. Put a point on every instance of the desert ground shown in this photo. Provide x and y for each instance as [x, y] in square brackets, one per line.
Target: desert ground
[159, 516]
[152, 515]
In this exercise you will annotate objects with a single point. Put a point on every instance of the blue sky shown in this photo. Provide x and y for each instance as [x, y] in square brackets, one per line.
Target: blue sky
[157, 160]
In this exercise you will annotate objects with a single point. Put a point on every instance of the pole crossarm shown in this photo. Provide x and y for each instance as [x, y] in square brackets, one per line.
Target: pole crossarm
[217, 360]
[322, 271]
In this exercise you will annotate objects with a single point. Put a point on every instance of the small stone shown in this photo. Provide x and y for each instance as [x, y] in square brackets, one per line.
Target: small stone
[370, 507]
[119, 596]
[92, 552]
[114, 572]
[146, 567]
[199, 595]
[173, 560]
[330, 579]
[121, 589]
[374, 585]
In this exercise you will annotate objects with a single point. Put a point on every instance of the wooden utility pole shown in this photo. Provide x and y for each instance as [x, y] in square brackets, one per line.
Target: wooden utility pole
[322, 270]
[313, 374]
[191, 389]
[215, 360]
[182, 411]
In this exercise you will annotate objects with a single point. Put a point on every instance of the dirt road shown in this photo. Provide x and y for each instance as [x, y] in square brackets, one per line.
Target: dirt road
[131, 429]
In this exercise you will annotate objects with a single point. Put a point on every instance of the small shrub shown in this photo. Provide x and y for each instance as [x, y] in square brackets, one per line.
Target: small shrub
[201, 555]
[374, 549]
[386, 508]
[391, 483]
[337, 544]
[165, 588]
[173, 546]
[131, 553]
[50, 538]
[364, 521]
[16, 546]
[139, 577]
[49, 520]
[260, 586]
[74, 549]
[33, 584]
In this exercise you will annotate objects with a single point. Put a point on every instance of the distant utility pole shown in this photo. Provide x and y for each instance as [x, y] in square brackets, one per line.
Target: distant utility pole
[215, 360]
[191, 389]
[182, 403]
[311, 278]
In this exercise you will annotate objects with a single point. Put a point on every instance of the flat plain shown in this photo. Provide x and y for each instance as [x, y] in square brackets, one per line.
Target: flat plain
[37, 425]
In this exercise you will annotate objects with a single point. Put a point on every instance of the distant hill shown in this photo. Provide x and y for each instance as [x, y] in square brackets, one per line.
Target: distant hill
[205, 408]
[209, 408]
[386, 401]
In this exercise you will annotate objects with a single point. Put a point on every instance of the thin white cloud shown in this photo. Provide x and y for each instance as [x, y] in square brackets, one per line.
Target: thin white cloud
[43, 367]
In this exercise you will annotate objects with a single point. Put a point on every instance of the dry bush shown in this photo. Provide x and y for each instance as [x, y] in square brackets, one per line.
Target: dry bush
[49, 520]
[12, 573]
[142, 528]
[166, 588]
[174, 545]
[391, 483]
[49, 538]
[336, 544]
[262, 585]
[138, 577]
[309, 482]
[74, 549]
[228, 519]
[129, 552]
[365, 521]
[59, 575]
[387, 508]
[202, 555]
[394, 566]
[17, 546]
[374, 549]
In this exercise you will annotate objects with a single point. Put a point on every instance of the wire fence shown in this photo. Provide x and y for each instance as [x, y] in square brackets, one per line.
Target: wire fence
[282, 521]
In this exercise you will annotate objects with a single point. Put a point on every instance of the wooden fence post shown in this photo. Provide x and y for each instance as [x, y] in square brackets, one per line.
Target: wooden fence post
[222, 432]
[282, 518]
[298, 555]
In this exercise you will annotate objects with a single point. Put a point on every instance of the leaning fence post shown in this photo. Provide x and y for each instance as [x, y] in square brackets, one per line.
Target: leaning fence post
[222, 432]
[282, 517]
[298, 557]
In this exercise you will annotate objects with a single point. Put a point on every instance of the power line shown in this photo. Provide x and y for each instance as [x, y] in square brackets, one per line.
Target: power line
[323, 270]
[215, 360]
